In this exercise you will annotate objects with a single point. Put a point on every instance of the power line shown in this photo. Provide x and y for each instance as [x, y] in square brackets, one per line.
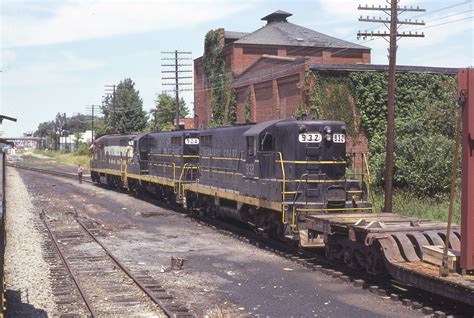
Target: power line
[110, 90]
[177, 69]
[92, 108]
[444, 8]
[448, 22]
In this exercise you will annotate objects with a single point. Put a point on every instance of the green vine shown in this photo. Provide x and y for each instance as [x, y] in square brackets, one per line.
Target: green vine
[223, 98]
[330, 96]
[425, 117]
[248, 106]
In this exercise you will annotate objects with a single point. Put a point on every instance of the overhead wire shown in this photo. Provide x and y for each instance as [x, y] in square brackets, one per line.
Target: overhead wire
[447, 22]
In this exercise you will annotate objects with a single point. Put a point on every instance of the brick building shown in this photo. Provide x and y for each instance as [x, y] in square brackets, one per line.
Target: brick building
[269, 65]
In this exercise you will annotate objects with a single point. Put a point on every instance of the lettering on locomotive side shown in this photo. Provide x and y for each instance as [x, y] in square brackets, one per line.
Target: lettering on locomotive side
[118, 150]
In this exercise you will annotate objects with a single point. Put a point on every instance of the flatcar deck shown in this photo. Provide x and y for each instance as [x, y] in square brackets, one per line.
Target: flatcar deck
[403, 241]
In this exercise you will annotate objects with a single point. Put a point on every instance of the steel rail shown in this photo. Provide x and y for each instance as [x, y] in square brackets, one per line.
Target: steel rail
[66, 263]
[148, 292]
[50, 172]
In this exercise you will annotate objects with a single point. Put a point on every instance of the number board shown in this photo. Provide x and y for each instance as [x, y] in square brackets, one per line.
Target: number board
[310, 137]
[339, 138]
[191, 141]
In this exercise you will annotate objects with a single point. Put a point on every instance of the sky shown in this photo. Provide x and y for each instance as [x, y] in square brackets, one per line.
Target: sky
[58, 56]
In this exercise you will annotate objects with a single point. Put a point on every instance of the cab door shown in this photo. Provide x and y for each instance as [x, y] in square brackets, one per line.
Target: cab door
[250, 169]
[267, 159]
[250, 158]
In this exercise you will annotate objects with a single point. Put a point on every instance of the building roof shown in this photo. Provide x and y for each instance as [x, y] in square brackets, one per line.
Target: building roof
[280, 32]
[232, 35]
[381, 68]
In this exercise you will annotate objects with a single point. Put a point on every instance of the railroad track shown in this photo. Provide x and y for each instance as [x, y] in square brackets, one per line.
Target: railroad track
[104, 283]
[68, 175]
[386, 288]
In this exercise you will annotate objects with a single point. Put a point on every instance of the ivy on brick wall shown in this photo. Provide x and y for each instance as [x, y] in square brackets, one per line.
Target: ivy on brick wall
[330, 97]
[222, 97]
[425, 119]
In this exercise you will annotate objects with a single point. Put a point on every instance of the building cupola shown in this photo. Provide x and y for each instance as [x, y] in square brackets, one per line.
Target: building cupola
[277, 16]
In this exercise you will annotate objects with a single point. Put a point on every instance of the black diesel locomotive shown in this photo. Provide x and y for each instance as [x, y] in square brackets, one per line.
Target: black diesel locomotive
[268, 175]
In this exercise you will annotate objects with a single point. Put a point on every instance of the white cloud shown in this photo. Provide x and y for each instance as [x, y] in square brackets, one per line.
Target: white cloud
[8, 58]
[30, 24]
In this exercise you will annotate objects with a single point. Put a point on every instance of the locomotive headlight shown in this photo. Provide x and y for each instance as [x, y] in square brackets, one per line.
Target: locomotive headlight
[343, 129]
[327, 134]
[302, 129]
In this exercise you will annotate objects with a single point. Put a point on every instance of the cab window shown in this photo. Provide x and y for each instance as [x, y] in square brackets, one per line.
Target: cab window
[266, 142]
[251, 146]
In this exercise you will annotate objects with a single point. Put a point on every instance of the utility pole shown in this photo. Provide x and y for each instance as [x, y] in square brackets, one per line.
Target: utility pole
[392, 23]
[175, 68]
[91, 108]
[110, 90]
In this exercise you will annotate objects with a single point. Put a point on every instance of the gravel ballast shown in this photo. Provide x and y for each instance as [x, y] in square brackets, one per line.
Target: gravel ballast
[29, 290]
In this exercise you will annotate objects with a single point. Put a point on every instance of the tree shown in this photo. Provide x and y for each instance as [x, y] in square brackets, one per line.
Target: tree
[124, 113]
[78, 123]
[45, 129]
[164, 112]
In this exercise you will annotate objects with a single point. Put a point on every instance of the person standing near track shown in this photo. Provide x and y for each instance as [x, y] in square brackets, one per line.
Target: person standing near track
[80, 170]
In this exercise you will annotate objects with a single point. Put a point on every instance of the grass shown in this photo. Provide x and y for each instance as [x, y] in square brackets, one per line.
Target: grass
[409, 204]
[66, 158]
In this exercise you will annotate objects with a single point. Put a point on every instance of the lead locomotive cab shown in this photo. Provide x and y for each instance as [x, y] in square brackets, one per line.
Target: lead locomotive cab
[321, 175]
[305, 158]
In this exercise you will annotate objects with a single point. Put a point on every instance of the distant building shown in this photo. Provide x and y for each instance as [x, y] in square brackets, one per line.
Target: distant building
[69, 143]
[269, 65]
[185, 123]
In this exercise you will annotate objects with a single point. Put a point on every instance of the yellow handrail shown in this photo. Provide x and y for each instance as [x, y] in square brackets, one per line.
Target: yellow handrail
[369, 181]
[183, 170]
[283, 192]
[174, 177]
